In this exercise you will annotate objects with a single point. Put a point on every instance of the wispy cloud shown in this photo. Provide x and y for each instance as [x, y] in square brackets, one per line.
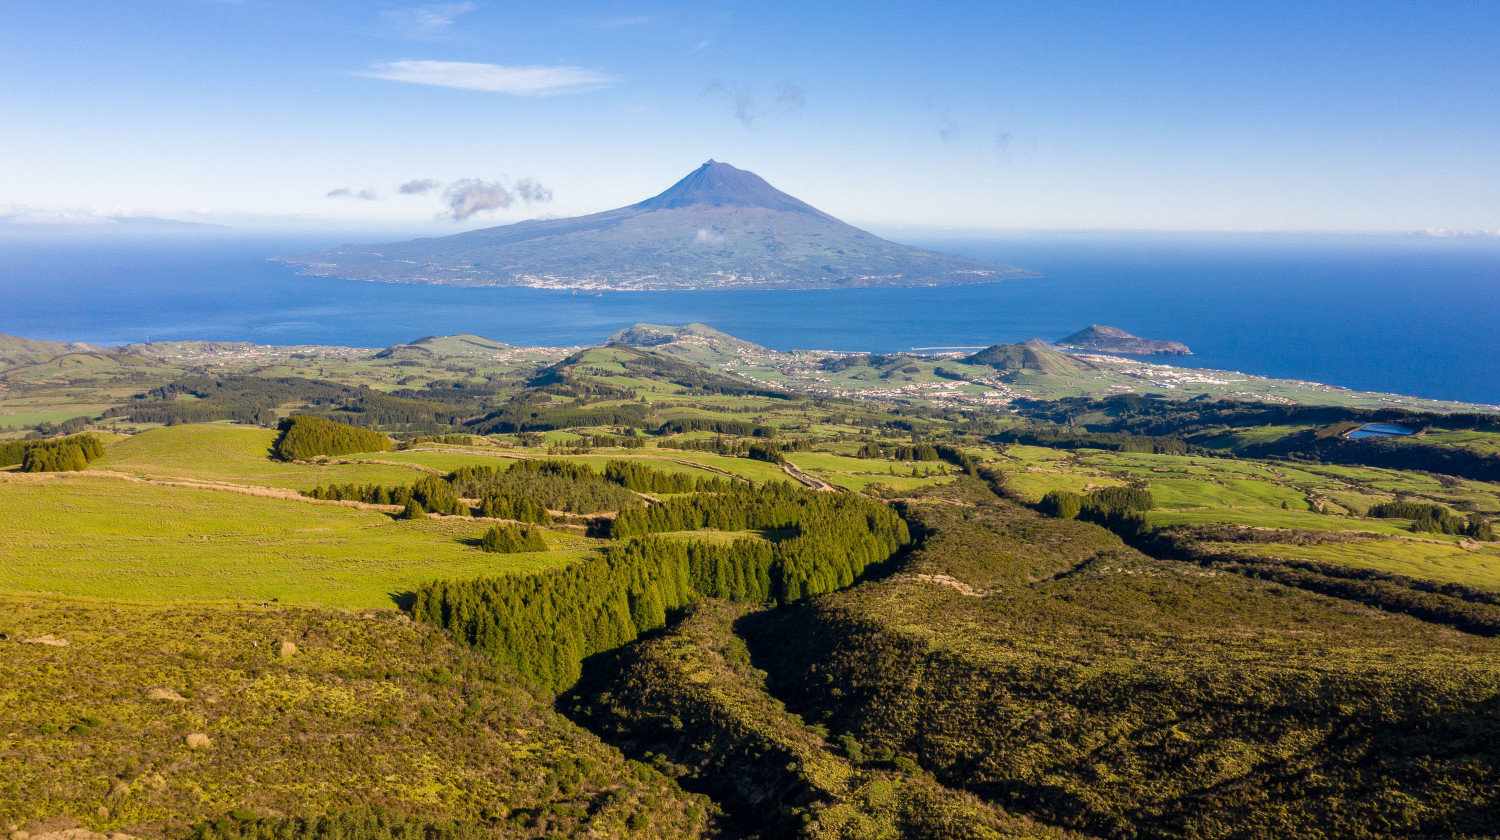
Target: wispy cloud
[494, 78]
[473, 195]
[346, 192]
[530, 191]
[24, 214]
[790, 97]
[420, 186]
[427, 21]
[746, 105]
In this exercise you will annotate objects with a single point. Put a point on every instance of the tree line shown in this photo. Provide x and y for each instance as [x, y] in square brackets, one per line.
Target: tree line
[719, 426]
[526, 490]
[429, 494]
[545, 624]
[1430, 518]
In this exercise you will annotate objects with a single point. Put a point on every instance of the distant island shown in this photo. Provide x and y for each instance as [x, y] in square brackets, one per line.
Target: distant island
[1101, 339]
[718, 228]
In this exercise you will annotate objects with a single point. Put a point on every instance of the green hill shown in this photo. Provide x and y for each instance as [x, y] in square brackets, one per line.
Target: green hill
[15, 350]
[1015, 358]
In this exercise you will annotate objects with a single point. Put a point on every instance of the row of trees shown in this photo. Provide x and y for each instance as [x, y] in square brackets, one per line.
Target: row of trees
[55, 455]
[527, 490]
[718, 445]
[529, 418]
[719, 426]
[430, 494]
[501, 504]
[545, 624]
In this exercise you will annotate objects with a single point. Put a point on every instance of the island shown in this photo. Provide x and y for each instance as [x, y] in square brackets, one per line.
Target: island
[1101, 339]
[718, 228]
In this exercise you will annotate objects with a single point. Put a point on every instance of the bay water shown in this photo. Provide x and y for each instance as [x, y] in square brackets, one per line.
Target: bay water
[1414, 315]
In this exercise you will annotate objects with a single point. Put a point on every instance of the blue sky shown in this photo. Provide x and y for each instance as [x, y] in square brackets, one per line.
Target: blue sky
[1178, 116]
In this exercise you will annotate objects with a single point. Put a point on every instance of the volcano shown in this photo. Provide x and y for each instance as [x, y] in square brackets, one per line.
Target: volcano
[718, 228]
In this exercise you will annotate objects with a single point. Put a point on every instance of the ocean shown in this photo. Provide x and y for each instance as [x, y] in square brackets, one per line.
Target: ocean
[1411, 315]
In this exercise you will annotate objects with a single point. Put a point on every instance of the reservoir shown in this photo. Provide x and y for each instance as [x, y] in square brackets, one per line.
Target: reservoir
[1370, 430]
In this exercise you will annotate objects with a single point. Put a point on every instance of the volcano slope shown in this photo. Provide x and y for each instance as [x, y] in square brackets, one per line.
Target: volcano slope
[1056, 673]
[718, 227]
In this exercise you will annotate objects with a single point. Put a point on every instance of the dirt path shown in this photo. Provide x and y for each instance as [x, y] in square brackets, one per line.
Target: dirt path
[282, 493]
[809, 480]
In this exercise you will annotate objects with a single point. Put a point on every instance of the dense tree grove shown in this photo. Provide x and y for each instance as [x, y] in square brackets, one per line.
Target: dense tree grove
[56, 455]
[1120, 509]
[555, 484]
[241, 398]
[1061, 504]
[633, 475]
[512, 539]
[500, 504]
[305, 436]
[732, 507]
[1434, 519]
[545, 624]
[768, 452]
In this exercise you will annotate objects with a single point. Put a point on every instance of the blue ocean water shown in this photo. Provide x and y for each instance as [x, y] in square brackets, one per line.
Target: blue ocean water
[1410, 315]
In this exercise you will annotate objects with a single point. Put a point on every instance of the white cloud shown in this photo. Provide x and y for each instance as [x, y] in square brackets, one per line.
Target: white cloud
[23, 214]
[493, 78]
[426, 21]
[472, 195]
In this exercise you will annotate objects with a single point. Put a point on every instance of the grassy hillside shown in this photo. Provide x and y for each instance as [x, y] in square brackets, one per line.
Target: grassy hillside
[154, 718]
[232, 454]
[107, 538]
[1270, 659]
[1055, 672]
[690, 702]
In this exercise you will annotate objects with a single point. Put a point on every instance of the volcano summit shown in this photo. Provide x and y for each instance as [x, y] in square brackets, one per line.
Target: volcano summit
[718, 228]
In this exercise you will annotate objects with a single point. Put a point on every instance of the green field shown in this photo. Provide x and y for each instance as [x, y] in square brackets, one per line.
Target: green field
[1424, 560]
[108, 538]
[234, 455]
